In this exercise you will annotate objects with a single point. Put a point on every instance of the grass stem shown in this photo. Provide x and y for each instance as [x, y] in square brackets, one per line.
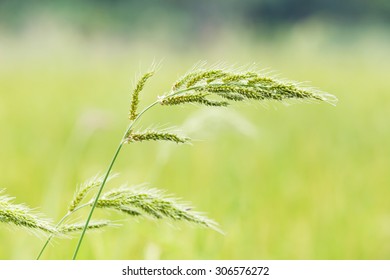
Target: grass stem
[107, 175]
[57, 226]
[96, 200]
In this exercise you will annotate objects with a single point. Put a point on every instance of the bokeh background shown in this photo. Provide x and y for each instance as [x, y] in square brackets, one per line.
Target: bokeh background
[306, 181]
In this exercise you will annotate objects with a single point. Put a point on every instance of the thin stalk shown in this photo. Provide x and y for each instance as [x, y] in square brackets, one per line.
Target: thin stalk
[96, 199]
[106, 176]
[57, 225]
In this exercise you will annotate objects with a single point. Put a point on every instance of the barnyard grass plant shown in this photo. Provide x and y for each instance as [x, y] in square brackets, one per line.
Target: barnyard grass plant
[215, 87]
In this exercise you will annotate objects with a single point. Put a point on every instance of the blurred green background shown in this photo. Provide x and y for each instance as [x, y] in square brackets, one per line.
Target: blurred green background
[308, 181]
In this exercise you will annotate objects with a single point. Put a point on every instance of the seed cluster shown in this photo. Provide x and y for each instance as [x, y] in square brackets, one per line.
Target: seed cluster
[150, 203]
[154, 136]
[65, 229]
[198, 86]
[23, 216]
[135, 96]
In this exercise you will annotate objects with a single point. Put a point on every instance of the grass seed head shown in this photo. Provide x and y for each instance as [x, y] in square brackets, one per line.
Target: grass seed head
[84, 189]
[233, 86]
[22, 216]
[151, 203]
[154, 136]
[135, 96]
[199, 98]
[93, 225]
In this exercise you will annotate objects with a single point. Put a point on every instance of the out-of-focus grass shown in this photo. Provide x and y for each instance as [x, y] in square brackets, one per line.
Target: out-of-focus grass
[308, 181]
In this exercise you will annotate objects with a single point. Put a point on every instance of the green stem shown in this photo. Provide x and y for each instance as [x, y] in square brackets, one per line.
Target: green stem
[57, 225]
[96, 199]
[106, 176]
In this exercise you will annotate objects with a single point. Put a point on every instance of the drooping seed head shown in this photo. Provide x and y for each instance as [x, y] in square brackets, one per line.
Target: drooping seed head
[233, 86]
[151, 135]
[22, 216]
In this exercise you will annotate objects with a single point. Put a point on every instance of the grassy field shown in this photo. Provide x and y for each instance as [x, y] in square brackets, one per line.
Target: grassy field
[307, 181]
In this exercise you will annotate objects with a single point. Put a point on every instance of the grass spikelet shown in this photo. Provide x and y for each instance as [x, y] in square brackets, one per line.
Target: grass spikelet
[205, 76]
[21, 215]
[152, 203]
[199, 98]
[84, 189]
[128, 211]
[151, 135]
[260, 80]
[69, 228]
[116, 203]
[231, 96]
[135, 96]
[184, 80]
[230, 78]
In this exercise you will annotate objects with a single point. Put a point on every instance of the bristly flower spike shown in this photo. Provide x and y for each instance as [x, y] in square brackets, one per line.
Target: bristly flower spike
[232, 86]
[22, 216]
[151, 135]
[135, 96]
